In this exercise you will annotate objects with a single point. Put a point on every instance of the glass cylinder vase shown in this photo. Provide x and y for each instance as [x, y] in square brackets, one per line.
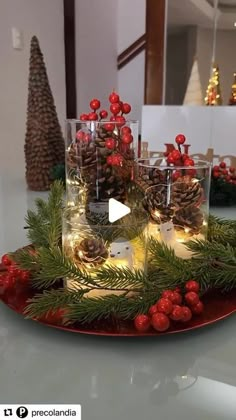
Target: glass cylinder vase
[100, 159]
[177, 201]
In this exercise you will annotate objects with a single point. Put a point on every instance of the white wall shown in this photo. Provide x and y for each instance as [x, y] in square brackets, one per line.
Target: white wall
[96, 51]
[131, 21]
[225, 58]
[43, 18]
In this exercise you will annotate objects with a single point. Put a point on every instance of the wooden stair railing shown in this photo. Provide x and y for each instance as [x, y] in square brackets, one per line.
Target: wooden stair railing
[131, 52]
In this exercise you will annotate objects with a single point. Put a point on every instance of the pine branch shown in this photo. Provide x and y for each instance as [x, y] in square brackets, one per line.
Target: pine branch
[122, 278]
[122, 307]
[172, 268]
[222, 230]
[51, 300]
[45, 225]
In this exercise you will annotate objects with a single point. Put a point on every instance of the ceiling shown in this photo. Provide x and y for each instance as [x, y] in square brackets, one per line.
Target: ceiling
[201, 13]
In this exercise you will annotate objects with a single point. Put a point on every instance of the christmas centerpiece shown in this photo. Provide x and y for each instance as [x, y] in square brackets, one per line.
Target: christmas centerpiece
[89, 272]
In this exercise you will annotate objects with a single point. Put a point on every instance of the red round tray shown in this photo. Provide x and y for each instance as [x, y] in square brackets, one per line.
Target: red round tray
[217, 307]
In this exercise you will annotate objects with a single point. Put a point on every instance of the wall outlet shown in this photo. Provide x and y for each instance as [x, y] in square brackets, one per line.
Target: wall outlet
[17, 39]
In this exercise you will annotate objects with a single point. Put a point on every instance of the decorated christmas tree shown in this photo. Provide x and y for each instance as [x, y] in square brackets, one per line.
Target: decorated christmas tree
[232, 99]
[44, 144]
[213, 93]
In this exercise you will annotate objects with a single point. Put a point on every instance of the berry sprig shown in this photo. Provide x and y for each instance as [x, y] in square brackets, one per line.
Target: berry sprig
[13, 274]
[226, 174]
[117, 136]
[173, 306]
[117, 109]
[178, 157]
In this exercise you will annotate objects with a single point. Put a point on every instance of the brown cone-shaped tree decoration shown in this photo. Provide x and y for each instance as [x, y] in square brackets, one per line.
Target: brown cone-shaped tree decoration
[44, 144]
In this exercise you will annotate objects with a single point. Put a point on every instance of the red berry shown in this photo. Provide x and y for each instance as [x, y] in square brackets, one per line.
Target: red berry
[103, 114]
[164, 305]
[176, 298]
[24, 276]
[198, 308]
[222, 165]
[87, 137]
[6, 260]
[177, 289]
[225, 172]
[228, 178]
[114, 98]
[152, 310]
[110, 143]
[84, 117]
[92, 116]
[180, 139]
[115, 108]
[186, 314]
[127, 138]
[14, 271]
[120, 120]
[126, 108]
[191, 298]
[160, 322]
[142, 323]
[167, 294]
[9, 282]
[216, 174]
[126, 130]
[176, 154]
[185, 156]
[192, 286]
[231, 169]
[116, 159]
[109, 126]
[189, 162]
[176, 175]
[170, 160]
[109, 160]
[176, 313]
[216, 168]
[80, 135]
[113, 118]
[95, 104]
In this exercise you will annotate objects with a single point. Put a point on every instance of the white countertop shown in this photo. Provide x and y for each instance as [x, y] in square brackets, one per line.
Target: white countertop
[184, 376]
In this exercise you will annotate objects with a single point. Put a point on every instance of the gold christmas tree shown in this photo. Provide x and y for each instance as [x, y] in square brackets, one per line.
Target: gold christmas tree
[213, 93]
[232, 99]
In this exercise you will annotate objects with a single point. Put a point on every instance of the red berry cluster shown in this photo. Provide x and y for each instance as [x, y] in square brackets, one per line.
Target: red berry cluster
[118, 136]
[13, 274]
[172, 306]
[221, 172]
[117, 108]
[179, 157]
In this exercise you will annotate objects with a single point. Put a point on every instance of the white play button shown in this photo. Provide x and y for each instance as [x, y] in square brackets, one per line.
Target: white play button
[117, 210]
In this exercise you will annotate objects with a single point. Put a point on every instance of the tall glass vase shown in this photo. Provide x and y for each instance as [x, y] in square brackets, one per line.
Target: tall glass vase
[177, 200]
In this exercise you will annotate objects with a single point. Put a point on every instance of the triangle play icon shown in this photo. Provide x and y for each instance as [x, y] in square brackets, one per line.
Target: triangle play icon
[117, 210]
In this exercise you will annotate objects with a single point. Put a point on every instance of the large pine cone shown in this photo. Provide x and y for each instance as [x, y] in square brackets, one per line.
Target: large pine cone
[189, 219]
[91, 251]
[186, 192]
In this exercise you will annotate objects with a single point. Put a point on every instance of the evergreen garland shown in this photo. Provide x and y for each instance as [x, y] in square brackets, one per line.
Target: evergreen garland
[213, 265]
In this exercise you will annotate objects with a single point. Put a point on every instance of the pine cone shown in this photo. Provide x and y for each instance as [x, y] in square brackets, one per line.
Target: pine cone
[148, 177]
[155, 203]
[109, 185]
[189, 218]
[186, 192]
[91, 251]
